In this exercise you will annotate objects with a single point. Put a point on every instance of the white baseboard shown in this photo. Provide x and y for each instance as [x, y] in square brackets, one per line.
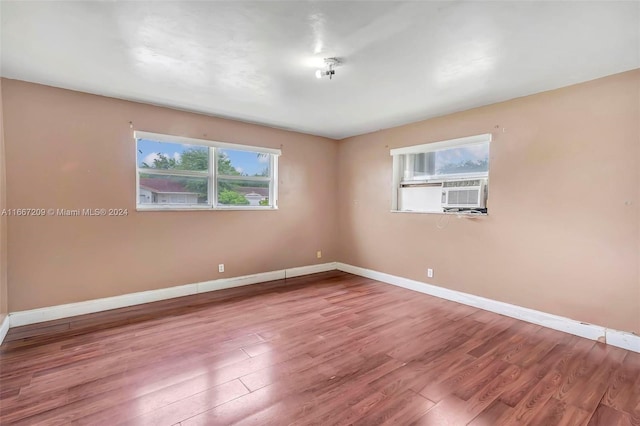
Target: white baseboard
[623, 339]
[4, 328]
[223, 283]
[312, 269]
[590, 331]
[16, 319]
[612, 337]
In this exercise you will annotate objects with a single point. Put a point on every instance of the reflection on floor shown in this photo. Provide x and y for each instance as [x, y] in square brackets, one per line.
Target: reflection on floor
[329, 348]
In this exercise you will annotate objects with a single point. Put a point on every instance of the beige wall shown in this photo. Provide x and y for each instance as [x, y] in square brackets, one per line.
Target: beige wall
[72, 150]
[562, 235]
[3, 221]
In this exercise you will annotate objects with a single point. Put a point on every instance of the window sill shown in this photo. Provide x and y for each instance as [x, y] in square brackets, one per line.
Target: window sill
[465, 214]
[206, 209]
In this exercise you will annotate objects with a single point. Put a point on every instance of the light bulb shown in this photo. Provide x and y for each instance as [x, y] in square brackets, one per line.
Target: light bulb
[318, 73]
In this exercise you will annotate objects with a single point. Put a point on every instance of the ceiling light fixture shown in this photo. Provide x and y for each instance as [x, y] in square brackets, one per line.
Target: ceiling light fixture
[331, 63]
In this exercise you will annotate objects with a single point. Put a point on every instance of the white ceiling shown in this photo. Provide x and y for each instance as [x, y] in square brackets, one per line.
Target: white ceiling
[255, 61]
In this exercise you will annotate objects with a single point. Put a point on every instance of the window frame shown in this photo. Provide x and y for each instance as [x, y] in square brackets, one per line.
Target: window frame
[398, 171]
[211, 174]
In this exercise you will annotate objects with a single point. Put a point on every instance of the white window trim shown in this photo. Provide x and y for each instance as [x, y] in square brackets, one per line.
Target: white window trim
[193, 141]
[436, 146]
[211, 174]
[430, 147]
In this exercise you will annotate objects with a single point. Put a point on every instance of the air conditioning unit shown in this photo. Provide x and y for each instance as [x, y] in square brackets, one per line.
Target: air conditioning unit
[464, 194]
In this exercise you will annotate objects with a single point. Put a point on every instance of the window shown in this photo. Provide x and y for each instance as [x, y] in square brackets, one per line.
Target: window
[442, 176]
[177, 173]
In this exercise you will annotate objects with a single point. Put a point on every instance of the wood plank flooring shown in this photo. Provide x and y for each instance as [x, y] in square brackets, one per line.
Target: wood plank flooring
[325, 349]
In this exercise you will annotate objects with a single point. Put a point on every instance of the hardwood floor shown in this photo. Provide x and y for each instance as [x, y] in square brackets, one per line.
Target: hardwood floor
[329, 349]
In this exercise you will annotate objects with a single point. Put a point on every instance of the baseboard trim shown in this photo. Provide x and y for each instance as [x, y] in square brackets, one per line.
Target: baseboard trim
[623, 339]
[4, 328]
[312, 269]
[612, 337]
[16, 319]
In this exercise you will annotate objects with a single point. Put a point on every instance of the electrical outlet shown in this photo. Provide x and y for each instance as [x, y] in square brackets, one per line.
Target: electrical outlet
[430, 273]
[221, 267]
[319, 254]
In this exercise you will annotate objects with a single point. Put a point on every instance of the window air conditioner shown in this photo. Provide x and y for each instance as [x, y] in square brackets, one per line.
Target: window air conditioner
[464, 194]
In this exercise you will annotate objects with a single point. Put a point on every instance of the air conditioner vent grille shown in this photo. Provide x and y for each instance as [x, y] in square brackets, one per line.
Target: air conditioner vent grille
[458, 183]
[463, 197]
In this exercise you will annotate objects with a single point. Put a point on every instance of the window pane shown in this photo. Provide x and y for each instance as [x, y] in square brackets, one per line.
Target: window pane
[418, 166]
[243, 193]
[243, 163]
[464, 159]
[168, 156]
[173, 190]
